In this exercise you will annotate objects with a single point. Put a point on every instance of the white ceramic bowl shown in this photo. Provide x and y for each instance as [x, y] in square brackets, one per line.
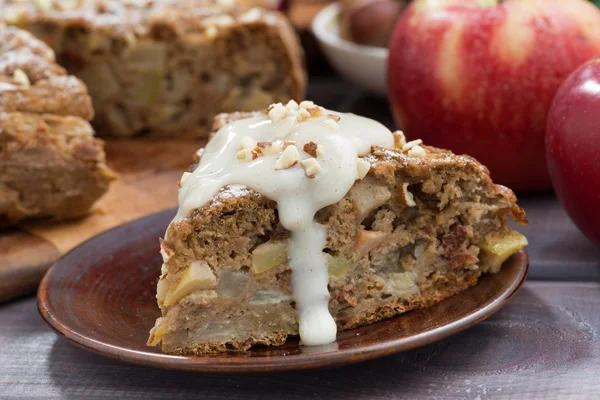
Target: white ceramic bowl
[366, 66]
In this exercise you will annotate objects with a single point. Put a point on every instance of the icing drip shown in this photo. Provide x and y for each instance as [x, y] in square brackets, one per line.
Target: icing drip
[318, 170]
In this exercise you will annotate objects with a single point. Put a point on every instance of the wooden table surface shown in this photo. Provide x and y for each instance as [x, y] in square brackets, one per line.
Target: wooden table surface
[543, 345]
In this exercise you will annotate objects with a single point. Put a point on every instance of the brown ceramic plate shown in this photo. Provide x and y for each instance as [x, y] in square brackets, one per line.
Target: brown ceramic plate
[100, 297]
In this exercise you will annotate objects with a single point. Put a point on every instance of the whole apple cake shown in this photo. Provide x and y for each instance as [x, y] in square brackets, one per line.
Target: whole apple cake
[168, 66]
[304, 221]
[51, 166]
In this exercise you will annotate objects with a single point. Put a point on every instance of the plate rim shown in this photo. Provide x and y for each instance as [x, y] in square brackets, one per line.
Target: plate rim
[278, 363]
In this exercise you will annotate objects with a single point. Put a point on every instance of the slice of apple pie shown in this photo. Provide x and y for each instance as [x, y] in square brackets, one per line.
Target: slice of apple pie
[304, 221]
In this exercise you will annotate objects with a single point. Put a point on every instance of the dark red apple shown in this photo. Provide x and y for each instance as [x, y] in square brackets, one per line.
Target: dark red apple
[573, 147]
[478, 77]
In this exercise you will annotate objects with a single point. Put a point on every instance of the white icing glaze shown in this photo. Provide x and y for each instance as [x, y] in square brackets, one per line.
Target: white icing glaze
[298, 197]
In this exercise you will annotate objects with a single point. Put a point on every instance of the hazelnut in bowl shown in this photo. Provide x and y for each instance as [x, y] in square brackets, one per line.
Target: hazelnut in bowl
[353, 35]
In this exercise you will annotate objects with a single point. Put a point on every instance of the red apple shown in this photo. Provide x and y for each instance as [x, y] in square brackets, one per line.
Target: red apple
[573, 147]
[478, 77]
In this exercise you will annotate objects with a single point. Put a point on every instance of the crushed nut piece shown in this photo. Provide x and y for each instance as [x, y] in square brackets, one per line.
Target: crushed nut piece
[288, 158]
[291, 106]
[331, 124]
[362, 168]
[21, 78]
[222, 20]
[226, 3]
[247, 143]
[307, 104]
[269, 148]
[252, 15]
[411, 144]
[316, 111]
[246, 155]
[416, 151]
[288, 143]
[310, 148]
[302, 115]
[311, 167]
[399, 139]
[276, 112]
[334, 117]
[285, 127]
[321, 151]
[407, 197]
[13, 17]
[43, 5]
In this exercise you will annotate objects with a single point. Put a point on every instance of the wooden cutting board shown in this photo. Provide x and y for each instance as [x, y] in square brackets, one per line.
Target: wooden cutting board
[149, 171]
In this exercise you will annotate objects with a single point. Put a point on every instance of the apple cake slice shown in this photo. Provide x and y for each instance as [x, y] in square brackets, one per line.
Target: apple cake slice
[303, 221]
[51, 166]
[167, 67]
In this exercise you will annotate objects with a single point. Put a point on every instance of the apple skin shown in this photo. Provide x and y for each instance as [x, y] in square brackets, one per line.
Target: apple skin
[573, 147]
[479, 79]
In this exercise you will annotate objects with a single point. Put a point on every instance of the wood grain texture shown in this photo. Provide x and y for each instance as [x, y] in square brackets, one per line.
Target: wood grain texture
[24, 260]
[543, 345]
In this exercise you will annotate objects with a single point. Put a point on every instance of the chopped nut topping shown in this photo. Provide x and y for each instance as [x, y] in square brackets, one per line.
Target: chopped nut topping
[302, 115]
[252, 15]
[411, 144]
[407, 197]
[316, 111]
[291, 106]
[362, 168]
[331, 124]
[288, 143]
[43, 5]
[334, 117]
[320, 151]
[311, 167]
[307, 104]
[285, 127]
[246, 155]
[223, 20]
[310, 148]
[12, 17]
[21, 78]
[276, 112]
[247, 143]
[269, 148]
[184, 177]
[399, 139]
[226, 3]
[288, 158]
[416, 151]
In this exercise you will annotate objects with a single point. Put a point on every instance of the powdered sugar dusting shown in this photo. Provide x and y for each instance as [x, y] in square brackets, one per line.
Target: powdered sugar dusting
[232, 192]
